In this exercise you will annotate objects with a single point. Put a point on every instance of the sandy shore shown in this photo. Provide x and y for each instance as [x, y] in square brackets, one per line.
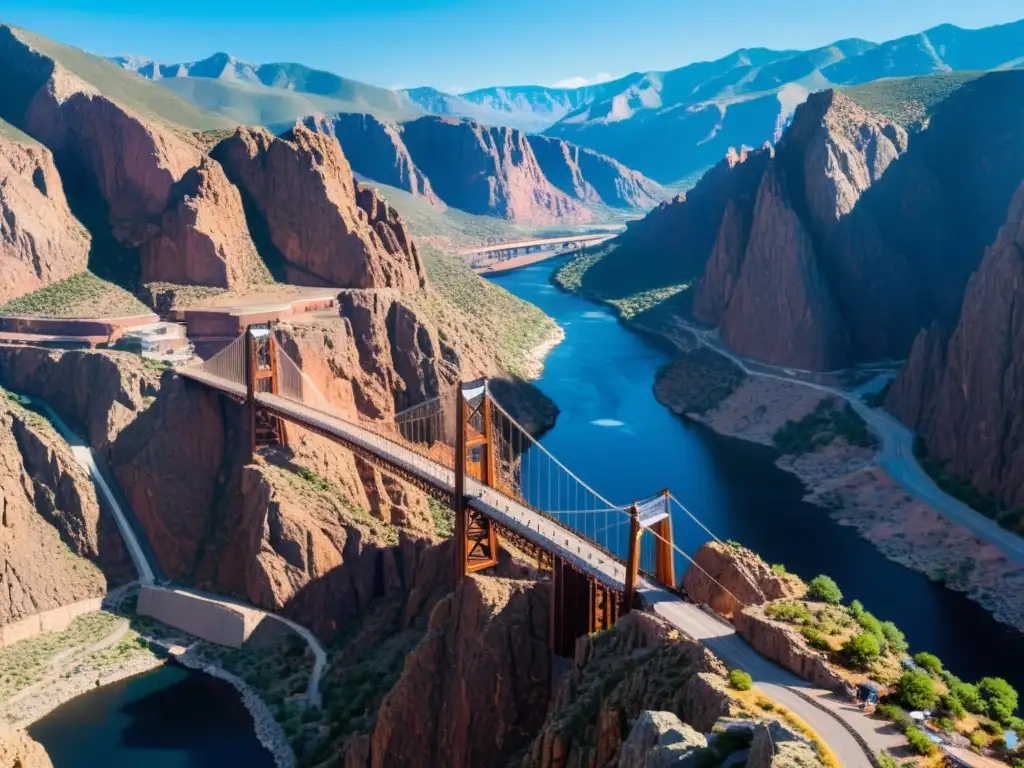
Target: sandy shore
[848, 483]
[534, 364]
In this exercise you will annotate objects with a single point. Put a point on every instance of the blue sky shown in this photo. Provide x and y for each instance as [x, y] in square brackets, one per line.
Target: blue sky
[464, 44]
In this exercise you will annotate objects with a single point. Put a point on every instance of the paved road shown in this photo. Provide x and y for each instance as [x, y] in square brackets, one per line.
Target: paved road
[897, 455]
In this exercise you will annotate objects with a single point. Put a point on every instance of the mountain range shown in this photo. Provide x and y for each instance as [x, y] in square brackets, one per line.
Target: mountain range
[669, 125]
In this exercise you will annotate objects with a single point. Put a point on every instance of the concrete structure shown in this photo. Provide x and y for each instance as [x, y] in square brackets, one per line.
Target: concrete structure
[53, 620]
[208, 619]
[111, 328]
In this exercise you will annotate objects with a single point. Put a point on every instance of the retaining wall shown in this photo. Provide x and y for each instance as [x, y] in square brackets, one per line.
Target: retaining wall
[199, 616]
[53, 620]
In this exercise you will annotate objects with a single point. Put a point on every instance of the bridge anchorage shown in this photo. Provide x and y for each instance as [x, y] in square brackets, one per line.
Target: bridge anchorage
[464, 449]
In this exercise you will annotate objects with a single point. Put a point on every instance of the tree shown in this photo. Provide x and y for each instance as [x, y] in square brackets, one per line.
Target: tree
[856, 609]
[969, 697]
[929, 662]
[860, 650]
[896, 639]
[740, 680]
[951, 703]
[824, 589]
[1000, 697]
[979, 739]
[916, 689]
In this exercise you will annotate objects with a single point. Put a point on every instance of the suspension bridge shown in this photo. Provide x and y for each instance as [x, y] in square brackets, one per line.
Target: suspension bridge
[465, 449]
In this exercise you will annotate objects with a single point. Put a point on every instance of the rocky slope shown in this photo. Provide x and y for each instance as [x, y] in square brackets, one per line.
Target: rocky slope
[41, 242]
[19, 750]
[963, 393]
[723, 574]
[822, 256]
[591, 177]
[474, 690]
[488, 171]
[376, 150]
[56, 546]
[326, 228]
[641, 664]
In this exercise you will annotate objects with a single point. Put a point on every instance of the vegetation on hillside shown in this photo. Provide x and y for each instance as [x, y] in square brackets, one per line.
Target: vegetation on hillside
[81, 295]
[128, 89]
[909, 101]
[829, 422]
[1011, 518]
[513, 327]
[697, 381]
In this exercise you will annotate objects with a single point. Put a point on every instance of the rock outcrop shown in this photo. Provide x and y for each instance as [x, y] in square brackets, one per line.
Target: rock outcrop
[783, 644]
[660, 740]
[966, 398]
[327, 230]
[376, 150]
[475, 689]
[776, 746]
[591, 177]
[97, 393]
[19, 750]
[834, 248]
[202, 237]
[723, 574]
[40, 241]
[487, 170]
[641, 664]
[56, 547]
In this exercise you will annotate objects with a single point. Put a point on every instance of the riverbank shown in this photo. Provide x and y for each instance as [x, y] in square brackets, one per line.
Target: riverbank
[847, 482]
[534, 362]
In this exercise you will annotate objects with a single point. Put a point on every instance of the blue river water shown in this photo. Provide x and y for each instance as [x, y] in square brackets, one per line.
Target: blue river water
[169, 717]
[614, 434]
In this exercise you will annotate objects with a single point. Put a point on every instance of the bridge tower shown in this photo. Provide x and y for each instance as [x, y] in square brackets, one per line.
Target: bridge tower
[476, 540]
[261, 375]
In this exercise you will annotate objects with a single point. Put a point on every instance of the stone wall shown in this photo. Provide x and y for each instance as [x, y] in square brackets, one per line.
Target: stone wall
[53, 620]
[199, 616]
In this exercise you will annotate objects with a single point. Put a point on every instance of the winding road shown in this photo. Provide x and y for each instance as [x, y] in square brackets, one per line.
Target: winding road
[145, 562]
[897, 454]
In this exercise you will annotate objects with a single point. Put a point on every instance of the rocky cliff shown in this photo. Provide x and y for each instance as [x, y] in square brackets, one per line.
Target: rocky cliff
[591, 177]
[475, 689]
[377, 151]
[833, 249]
[487, 170]
[41, 242]
[19, 750]
[641, 664]
[965, 393]
[727, 577]
[56, 546]
[327, 229]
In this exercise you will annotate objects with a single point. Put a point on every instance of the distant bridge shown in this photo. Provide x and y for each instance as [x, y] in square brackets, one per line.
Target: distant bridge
[536, 244]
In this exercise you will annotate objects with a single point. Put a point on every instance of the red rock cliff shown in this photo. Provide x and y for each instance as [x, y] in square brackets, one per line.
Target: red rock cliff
[591, 177]
[486, 170]
[967, 398]
[326, 228]
[40, 241]
[377, 151]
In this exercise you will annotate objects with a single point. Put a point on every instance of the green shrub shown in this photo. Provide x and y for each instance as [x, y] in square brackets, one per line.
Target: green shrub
[740, 680]
[929, 662]
[815, 639]
[779, 569]
[885, 760]
[788, 610]
[860, 650]
[1000, 697]
[951, 704]
[856, 609]
[919, 743]
[945, 724]
[895, 638]
[979, 739]
[897, 715]
[824, 589]
[916, 690]
[968, 695]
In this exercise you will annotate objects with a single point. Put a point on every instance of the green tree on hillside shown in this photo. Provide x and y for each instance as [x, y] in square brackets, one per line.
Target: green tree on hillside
[823, 588]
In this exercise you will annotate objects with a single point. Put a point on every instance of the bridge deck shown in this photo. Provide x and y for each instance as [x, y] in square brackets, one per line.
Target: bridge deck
[504, 510]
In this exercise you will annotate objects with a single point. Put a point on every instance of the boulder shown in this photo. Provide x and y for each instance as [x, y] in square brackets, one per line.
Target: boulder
[659, 740]
[728, 573]
[776, 746]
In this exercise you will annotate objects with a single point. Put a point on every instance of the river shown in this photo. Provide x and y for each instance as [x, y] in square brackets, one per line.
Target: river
[170, 717]
[614, 434]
